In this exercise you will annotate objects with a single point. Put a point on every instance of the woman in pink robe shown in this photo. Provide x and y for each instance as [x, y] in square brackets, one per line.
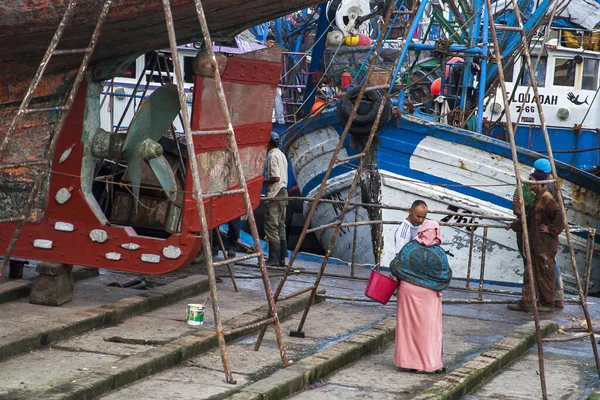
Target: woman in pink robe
[419, 319]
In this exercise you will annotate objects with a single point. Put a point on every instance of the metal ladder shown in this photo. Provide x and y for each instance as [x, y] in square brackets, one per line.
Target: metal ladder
[24, 110]
[272, 317]
[336, 160]
[526, 243]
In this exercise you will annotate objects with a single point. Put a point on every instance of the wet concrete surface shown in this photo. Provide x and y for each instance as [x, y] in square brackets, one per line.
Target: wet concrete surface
[468, 329]
[86, 353]
[189, 383]
[25, 375]
[19, 316]
[355, 288]
[329, 324]
[159, 326]
[570, 374]
[376, 377]
[576, 356]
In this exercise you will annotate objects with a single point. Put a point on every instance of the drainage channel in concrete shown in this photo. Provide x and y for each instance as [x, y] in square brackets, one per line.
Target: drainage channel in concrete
[376, 377]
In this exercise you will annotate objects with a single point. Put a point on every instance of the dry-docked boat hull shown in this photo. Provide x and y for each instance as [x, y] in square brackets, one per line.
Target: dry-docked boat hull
[68, 224]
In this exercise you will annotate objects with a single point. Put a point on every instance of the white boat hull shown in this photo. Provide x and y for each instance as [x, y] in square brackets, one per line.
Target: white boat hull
[309, 156]
[491, 178]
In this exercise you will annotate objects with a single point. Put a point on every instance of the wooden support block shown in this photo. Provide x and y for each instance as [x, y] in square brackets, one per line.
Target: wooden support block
[54, 284]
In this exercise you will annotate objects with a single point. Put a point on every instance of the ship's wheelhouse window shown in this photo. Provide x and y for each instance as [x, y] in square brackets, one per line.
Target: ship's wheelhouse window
[590, 74]
[129, 72]
[188, 69]
[564, 72]
[163, 70]
[540, 72]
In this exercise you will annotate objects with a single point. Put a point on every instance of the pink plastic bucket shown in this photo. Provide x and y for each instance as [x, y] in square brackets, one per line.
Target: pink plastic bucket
[380, 287]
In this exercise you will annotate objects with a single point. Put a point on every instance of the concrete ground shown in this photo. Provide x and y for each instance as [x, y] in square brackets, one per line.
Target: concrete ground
[72, 364]
[202, 377]
[375, 376]
[29, 374]
[570, 374]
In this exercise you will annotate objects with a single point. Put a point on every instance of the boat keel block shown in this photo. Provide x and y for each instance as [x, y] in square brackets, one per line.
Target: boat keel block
[54, 284]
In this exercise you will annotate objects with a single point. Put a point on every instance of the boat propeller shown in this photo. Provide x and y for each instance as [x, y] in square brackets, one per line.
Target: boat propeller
[152, 119]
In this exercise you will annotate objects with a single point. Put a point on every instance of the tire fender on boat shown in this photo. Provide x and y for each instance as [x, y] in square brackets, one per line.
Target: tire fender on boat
[365, 116]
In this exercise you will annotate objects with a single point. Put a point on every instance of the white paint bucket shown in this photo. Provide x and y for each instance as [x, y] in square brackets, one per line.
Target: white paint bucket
[195, 314]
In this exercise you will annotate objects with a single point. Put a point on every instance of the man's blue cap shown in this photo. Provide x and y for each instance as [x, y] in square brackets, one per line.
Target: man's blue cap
[274, 140]
[543, 165]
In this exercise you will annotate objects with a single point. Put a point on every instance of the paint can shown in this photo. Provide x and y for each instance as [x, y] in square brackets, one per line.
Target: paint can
[195, 314]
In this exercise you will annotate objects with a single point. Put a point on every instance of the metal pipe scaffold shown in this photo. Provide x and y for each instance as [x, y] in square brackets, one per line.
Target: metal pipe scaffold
[199, 196]
[372, 61]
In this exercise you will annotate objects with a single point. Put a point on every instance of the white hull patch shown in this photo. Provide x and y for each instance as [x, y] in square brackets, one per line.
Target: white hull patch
[471, 167]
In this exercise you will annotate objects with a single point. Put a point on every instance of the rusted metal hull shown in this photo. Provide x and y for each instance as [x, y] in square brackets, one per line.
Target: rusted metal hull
[68, 225]
[132, 27]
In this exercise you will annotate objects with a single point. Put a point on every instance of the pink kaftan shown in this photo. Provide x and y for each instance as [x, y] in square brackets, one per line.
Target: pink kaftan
[419, 328]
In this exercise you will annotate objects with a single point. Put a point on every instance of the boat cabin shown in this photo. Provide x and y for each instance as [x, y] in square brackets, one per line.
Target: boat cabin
[567, 75]
[117, 92]
[567, 78]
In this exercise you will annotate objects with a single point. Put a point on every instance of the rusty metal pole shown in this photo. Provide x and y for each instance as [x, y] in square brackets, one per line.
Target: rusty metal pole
[342, 215]
[352, 188]
[589, 256]
[381, 222]
[198, 195]
[445, 301]
[229, 266]
[397, 208]
[354, 242]
[468, 283]
[513, 149]
[582, 298]
[482, 270]
[112, 106]
[340, 145]
[237, 161]
[537, 61]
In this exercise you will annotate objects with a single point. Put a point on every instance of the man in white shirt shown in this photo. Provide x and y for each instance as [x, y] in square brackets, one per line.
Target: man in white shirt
[408, 230]
[276, 182]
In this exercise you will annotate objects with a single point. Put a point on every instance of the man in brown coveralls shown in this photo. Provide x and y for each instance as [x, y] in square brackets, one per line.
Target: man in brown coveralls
[544, 224]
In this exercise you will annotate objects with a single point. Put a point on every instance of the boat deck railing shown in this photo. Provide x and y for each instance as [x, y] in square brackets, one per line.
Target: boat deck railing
[577, 38]
[295, 73]
[294, 76]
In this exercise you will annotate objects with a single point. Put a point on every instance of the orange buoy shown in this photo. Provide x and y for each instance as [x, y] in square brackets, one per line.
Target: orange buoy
[345, 79]
[436, 87]
[317, 107]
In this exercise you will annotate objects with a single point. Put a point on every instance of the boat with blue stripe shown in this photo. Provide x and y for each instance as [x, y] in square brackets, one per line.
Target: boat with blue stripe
[424, 155]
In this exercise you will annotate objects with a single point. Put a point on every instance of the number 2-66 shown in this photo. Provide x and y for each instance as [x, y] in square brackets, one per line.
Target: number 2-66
[527, 109]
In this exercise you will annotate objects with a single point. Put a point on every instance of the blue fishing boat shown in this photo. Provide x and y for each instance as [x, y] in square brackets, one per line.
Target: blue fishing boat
[455, 162]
